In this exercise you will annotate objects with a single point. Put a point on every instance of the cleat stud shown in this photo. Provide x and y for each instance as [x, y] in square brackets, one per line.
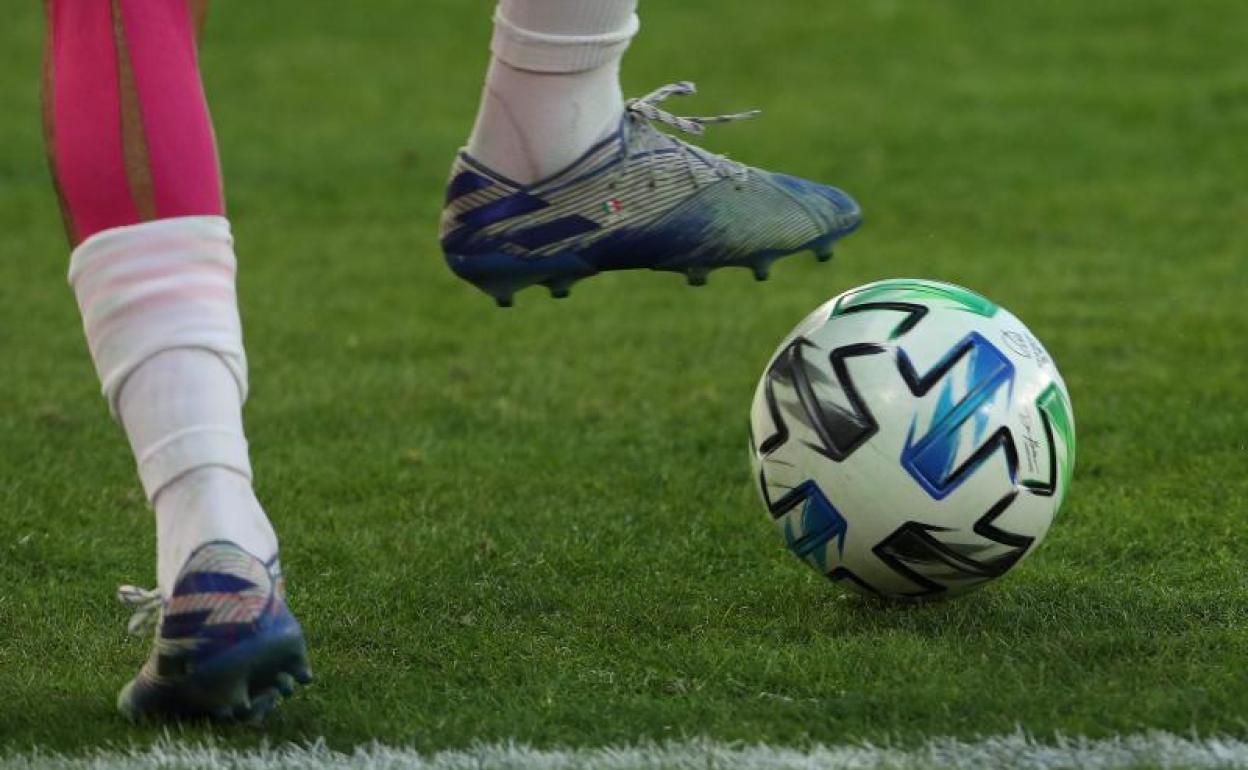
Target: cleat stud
[559, 289]
[303, 675]
[761, 272]
[503, 301]
[696, 276]
[823, 256]
[238, 702]
[286, 684]
[262, 705]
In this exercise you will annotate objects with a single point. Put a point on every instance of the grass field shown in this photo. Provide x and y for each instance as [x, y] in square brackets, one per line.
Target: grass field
[538, 524]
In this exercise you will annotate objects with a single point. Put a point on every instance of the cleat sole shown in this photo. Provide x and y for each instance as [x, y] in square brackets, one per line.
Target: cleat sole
[501, 275]
[221, 688]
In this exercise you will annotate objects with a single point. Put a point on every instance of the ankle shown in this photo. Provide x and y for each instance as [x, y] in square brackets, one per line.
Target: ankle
[532, 125]
[207, 504]
[553, 87]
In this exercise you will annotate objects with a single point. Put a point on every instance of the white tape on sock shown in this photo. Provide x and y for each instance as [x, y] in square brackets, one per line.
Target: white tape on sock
[157, 286]
[163, 292]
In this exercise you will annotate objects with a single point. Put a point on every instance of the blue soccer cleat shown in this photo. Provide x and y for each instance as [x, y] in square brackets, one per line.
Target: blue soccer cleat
[226, 644]
[640, 199]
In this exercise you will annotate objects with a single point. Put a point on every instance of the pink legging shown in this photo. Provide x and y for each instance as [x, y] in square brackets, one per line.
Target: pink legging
[128, 131]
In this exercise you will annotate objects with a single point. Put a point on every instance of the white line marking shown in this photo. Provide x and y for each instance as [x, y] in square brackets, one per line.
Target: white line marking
[1006, 752]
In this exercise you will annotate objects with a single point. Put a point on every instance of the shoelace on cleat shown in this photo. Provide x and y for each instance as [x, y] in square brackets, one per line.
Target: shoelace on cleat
[147, 604]
[644, 111]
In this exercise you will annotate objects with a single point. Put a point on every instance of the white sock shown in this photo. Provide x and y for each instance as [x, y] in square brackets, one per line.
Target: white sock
[191, 393]
[553, 87]
[161, 318]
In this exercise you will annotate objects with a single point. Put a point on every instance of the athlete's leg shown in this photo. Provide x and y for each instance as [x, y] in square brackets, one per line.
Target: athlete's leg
[129, 136]
[134, 161]
[563, 179]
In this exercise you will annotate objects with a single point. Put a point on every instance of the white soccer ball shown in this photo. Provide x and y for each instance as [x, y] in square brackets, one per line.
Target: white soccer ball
[912, 440]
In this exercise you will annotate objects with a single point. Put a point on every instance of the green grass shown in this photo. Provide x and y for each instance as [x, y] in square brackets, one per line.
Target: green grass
[538, 524]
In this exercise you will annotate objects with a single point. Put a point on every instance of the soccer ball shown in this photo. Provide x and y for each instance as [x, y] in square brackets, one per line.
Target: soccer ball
[912, 440]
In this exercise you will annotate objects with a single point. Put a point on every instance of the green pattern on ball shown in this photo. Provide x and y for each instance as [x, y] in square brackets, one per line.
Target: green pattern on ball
[913, 290]
[1054, 403]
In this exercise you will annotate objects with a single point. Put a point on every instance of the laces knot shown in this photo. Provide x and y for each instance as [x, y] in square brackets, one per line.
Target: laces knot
[146, 607]
[646, 107]
[644, 111]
